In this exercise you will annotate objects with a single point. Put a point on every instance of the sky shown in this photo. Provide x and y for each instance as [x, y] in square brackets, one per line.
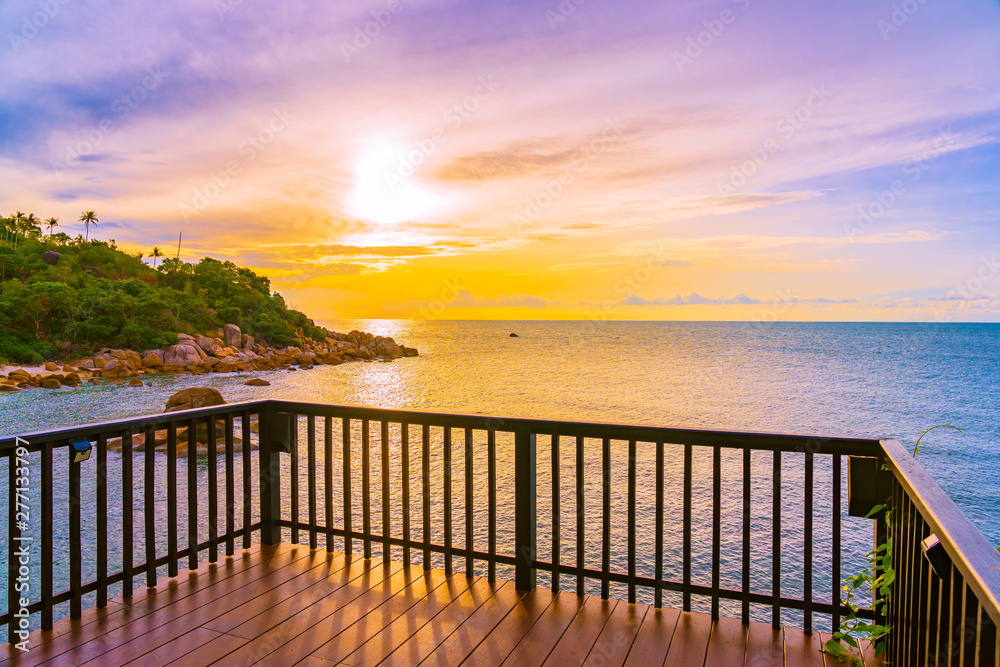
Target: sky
[571, 159]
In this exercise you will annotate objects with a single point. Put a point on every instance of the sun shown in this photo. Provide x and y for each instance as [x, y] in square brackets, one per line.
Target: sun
[387, 189]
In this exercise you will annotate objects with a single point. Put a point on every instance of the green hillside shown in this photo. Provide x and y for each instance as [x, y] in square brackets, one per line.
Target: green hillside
[93, 295]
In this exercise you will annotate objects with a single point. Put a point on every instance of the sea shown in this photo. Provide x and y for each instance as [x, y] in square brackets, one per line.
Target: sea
[883, 380]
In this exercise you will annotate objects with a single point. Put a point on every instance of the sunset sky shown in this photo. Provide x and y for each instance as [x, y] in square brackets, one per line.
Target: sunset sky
[528, 160]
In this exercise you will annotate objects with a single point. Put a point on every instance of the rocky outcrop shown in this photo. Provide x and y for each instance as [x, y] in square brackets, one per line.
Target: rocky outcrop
[184, 353]
[194, 397]
[233, 335]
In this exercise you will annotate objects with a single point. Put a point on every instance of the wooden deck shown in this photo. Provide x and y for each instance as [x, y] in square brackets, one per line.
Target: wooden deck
[289, 605]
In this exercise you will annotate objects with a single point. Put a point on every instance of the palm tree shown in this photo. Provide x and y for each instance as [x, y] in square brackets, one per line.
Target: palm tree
[18, 219]
[51, 222]
[154, 254]
[88, 218]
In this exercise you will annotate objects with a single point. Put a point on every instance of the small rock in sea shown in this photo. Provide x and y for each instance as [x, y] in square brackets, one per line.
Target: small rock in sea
[135, 382]
[514, 335]
[257, 382]
[51, 383]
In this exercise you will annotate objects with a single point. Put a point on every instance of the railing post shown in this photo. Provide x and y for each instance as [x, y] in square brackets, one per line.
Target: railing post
[270, 478]
[525, 519]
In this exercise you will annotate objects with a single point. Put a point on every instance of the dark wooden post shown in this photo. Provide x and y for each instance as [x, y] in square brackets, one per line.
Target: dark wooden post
[525, 519]
[270, 476]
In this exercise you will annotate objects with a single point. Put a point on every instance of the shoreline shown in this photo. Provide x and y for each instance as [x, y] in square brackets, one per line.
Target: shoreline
[225, 350]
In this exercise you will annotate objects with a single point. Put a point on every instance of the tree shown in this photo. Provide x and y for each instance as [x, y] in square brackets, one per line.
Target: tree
[154, 254]
[88, 218]
[51, 222]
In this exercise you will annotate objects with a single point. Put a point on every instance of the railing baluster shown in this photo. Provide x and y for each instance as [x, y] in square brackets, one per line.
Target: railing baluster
[75, 548]
[149, 503]
[631, 521]
[14, 544]
[556, 518]
[606, 516]
[311, 475]
[192, 491]
[525, 508]
[716, 526]
[404, 462]
[446, 480]
[171, 499]
[807, 550]
[581, 544]
[348, 503]
[293, 438]
[128, 508]
[745, 584]
[245, 457]
[328, 480]
[469, 499]
[366, 500]
[213, 493]
[491, 483]
[686, 585]
[102, 529]
[776, 541]
[230, 486]
[386, 512]
[425, 483]
[835, 593]
[658, 571]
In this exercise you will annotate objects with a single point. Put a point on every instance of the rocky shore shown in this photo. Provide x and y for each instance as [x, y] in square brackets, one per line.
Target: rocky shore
[225, 350]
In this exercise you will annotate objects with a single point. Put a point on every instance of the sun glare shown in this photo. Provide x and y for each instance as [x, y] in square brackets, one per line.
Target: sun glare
[388, 191]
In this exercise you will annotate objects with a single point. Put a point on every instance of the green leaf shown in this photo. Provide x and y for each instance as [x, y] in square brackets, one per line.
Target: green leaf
[834, 648]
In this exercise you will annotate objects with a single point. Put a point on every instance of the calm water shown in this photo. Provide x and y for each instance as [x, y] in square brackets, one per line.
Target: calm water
[886, 380]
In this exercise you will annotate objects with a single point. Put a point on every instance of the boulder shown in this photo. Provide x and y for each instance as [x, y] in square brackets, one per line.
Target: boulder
[133, 358]
[135, 382]
[409, 351]
[51, 383]
[100, 360]
[51, 257]
[68, 369]
[247, 342]
[71, 380]
[8, 387]
[51, 366]
[194, 397]
[85, 363]
[205, 343]
[183, 353]
[257, 382]
[119, 354]
[233, 335]
[225, 352]
[152, 360]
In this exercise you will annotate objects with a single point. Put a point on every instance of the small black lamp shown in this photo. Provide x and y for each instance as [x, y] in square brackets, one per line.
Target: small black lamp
[935, 553]
[80, 450]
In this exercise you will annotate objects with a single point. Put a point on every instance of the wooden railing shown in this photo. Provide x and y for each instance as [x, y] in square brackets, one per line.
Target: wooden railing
[708, 520]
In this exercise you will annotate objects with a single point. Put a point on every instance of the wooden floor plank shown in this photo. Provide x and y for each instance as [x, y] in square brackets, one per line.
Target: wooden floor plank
[414, 601]
[831, 661]
[765, 645]
[690, 642]
[727, 645]
[467, 637]
[292, 638]
[802, 649]
[536, 645]
[425, 640]
[576, 642]
[653, 639]
[504, 637]
[612, 646]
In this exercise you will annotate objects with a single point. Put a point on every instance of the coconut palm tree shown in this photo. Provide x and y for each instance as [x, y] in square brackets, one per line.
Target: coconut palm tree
[154, 254]
[88, 218]
[51, 222]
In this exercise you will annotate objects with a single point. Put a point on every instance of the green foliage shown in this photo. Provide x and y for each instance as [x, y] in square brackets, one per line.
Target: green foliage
[98, 296]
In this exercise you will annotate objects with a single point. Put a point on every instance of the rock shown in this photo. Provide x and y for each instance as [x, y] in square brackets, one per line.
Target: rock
[257, 382]
[51, 366]
[135, 382]
[68, 369]
[96, 272]
[152, 360]
[410, 351]
[8, 387]
[194, 397]
[119, 354]
[233, 335]
[51, 257]
[247, 342]
[115, 369]
[51, 383]
[514, 335]
[225, 352]
[100, 360]
[184, 353]
[71, 380]
[85, 363]
[133, 358]
[205, 343]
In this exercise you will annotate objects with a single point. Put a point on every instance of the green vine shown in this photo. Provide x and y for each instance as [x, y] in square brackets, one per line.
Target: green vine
[876, 579]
